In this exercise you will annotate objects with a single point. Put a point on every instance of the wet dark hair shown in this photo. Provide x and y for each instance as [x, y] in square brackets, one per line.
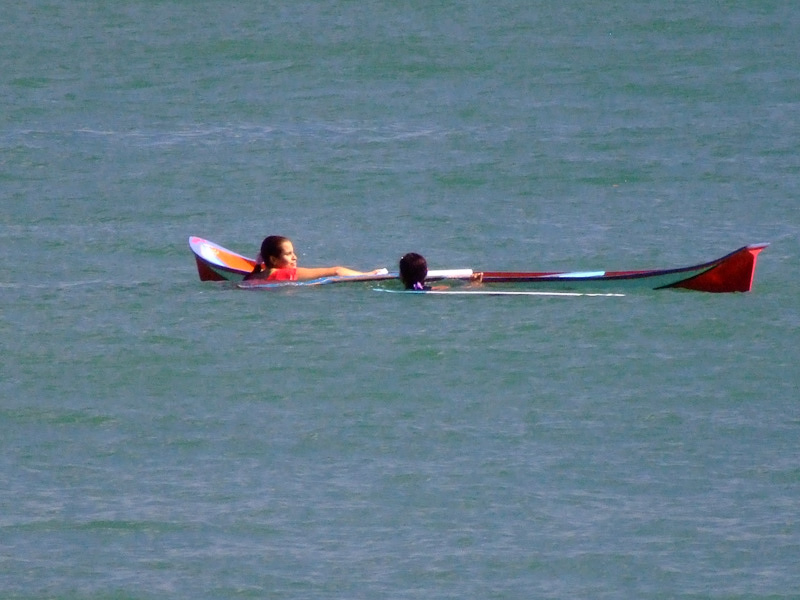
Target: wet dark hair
[270, 247]
[413, 270]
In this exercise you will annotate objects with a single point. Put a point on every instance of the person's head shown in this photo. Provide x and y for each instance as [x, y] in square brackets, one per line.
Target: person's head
[277, 252]
[413, 270]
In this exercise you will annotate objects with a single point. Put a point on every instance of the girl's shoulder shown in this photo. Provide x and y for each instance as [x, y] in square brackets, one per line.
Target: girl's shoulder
[283, 274]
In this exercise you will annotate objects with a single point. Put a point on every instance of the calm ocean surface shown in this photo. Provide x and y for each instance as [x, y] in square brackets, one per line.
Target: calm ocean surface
[166, 438]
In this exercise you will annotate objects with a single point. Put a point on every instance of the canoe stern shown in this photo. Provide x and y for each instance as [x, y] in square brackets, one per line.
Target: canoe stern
[215, 263]
[731, 273]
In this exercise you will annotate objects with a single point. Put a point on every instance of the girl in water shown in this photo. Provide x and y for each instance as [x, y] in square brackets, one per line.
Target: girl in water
[413, 271]
[278, 262]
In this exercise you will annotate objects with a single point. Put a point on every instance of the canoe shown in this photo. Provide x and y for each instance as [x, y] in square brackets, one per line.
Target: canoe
[733, 272]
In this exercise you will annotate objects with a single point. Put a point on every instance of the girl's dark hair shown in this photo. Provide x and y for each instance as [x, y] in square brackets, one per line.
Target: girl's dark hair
[413, 270]
[271, 246]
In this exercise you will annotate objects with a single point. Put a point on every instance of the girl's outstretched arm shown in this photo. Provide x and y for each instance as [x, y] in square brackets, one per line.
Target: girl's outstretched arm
[316, 273]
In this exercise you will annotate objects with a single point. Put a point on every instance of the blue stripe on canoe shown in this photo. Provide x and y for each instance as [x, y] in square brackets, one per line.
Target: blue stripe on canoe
[581, 274]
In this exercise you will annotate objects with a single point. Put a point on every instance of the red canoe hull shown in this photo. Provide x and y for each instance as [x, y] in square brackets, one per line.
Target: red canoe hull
[733, 272]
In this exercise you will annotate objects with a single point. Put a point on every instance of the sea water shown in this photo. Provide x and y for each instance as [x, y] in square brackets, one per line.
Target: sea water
[167, 438]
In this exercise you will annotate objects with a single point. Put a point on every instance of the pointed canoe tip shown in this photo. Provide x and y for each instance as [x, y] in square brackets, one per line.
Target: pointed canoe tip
[759, 246]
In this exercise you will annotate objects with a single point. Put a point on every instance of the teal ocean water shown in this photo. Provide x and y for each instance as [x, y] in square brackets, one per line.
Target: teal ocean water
[166, 438]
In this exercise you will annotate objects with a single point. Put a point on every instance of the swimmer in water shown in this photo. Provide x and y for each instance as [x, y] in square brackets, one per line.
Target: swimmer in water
[414, 271]
[278, 262]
